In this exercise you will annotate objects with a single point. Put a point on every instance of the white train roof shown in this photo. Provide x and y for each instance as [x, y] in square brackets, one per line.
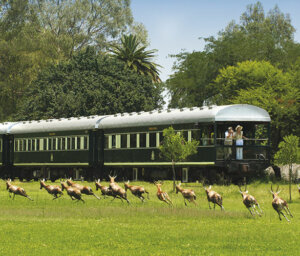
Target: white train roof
[239, 113]
[5, 126]
[55, 125]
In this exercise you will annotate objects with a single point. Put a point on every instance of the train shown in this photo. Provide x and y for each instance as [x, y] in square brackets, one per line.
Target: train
[127, 144]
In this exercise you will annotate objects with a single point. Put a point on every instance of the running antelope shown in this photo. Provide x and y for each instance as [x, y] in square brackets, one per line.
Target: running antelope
[117, 191]
[136, 191]
[51, 189]
[163, 196]
[73, 192]
[279, 204]
[250, 202]
[15, 190]
[188, 194]
[83, 189]
[106, 191]
[213, 197]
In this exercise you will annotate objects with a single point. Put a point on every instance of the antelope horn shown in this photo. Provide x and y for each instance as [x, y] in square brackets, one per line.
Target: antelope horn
[277, 188]
[240, 189]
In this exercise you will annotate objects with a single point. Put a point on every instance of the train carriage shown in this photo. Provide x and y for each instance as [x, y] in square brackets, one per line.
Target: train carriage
[128, 144]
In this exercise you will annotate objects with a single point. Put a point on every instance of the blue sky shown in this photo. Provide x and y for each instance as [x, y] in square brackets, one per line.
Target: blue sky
[176, 25]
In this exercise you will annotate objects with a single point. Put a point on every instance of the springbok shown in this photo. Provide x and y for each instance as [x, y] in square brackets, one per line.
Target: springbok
[83, 189]
[279, 204]
[106, 191]
[136, 191]
[213, 197]
[117, 191]
[51, 189]
[73, 192]
[188, 194]
[250, 202]
[163, 196]
[15, 190]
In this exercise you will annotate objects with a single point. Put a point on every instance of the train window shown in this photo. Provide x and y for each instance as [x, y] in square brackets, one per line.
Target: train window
[152, 140]
[113, 141]
[38, 145]
[142, 140]
[63, 143]
[128, 140]
[25, 145]
[16, 145]
[161, 138]
[58, 143]
[157, 139]
[45, 144]
[20, 145]
[50, 144]
[147, 140]
[78, 146]
[68, 143]
[138, 140]
[123, 140]
[86, 142]
[189, 135]
[54, 144]
[73, 143]
[133, 140]
[196, 135]
[29, 145]
[33, 145]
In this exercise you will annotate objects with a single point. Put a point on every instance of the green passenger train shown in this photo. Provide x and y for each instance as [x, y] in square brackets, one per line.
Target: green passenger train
[128, 144]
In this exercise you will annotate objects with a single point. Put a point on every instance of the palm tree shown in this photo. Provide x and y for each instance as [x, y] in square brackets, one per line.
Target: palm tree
[136, 57]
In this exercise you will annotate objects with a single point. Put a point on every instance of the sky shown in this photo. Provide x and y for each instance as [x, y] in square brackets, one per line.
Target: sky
[176, 25]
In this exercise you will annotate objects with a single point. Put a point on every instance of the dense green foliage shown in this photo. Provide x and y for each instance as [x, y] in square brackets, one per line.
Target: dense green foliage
[64, 227]
[39, 33]
[257, 37]
[88, 84]
[137, 57]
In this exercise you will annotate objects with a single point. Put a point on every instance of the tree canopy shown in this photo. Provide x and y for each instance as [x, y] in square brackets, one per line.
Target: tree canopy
[36, 34]
[136, 56]
[257, 36]
[88, 84]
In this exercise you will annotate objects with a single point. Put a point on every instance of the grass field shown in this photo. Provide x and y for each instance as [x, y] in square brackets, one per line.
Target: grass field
[102, 227]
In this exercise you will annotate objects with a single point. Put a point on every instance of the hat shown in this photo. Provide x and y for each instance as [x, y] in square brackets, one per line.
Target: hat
[239, 126]
[229, 128]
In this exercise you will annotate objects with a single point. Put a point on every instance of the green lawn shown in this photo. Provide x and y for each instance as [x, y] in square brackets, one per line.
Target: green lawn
[102, 227]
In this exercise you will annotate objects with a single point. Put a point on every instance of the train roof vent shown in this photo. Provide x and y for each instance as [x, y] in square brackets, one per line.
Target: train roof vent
[132, 113]
[141, 112]
[210, 107]
[201, 108]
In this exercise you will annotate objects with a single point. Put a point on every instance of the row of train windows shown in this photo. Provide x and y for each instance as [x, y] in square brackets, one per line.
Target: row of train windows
[50, 144]
[143, 140]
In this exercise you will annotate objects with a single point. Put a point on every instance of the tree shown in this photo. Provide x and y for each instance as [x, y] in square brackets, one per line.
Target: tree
[88, 84]
[288, 154]
[136, 57]
[261, 84]
[175, 148]
[257, 36]
[38, 33]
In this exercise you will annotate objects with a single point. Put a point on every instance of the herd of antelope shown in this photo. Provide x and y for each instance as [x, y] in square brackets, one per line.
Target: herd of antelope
[75, 191]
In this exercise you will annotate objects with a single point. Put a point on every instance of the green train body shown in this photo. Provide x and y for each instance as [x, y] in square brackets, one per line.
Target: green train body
[128, 144]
